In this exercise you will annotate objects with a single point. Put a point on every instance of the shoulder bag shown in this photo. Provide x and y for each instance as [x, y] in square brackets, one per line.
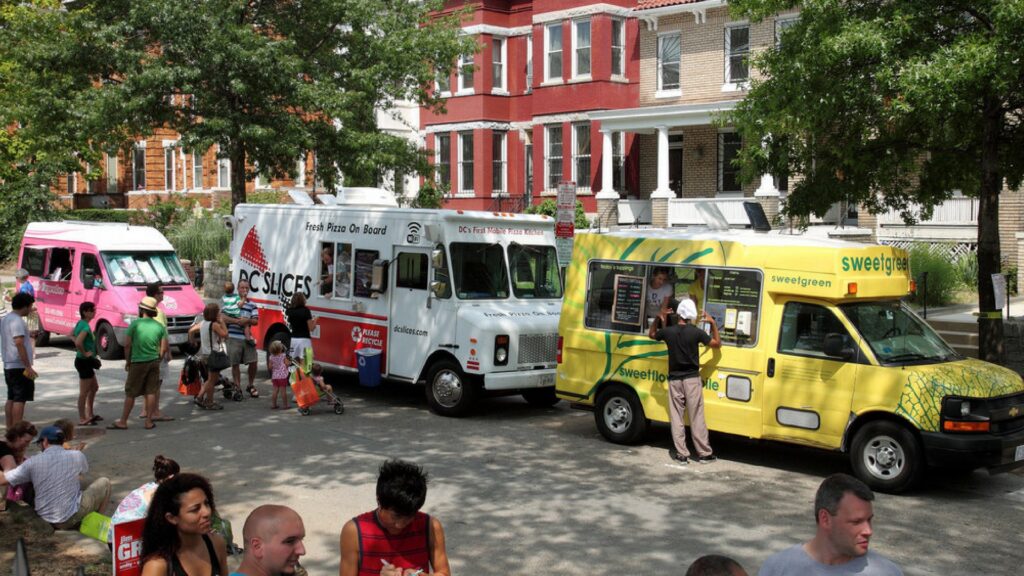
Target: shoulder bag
[218, 358]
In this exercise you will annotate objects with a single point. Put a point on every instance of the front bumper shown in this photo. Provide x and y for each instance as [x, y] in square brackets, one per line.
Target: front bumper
[521, 379]
[997, 453]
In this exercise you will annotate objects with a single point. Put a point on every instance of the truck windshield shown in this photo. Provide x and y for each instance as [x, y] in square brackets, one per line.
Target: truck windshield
[534, 271]
[130, 268]
[479, 271]
[897, 335]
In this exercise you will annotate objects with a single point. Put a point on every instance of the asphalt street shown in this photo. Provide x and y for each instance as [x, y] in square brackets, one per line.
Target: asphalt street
[522, 490]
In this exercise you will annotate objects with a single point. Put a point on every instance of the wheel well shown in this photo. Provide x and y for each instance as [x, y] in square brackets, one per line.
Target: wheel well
[609, 383]
[437, 356]
[868, 417]
[272, 331]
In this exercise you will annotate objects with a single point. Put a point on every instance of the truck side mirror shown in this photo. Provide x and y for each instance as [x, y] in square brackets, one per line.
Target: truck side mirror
[834, 348]
[379, 277]
[437, 258]
[438, 288]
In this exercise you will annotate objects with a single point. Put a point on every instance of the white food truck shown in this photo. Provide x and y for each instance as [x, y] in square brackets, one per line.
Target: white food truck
[465, 301]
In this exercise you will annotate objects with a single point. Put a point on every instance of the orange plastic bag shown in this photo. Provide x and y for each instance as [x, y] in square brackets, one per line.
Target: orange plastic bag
[304, 389]
[189, 388]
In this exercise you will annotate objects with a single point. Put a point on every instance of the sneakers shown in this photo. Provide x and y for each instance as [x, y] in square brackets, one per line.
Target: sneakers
[707, 459]
[678, 458]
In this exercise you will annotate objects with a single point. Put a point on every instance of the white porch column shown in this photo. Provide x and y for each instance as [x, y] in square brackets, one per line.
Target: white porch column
[663, 190]
[607, 165]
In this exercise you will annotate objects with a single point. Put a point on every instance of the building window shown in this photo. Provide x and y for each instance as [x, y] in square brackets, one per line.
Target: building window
[498, 64]
[737, 47]
[553, 52]
[72, 183]
[669, 54]
[111, 173]
[169, 172]
[618, 47]
[728, 174]
[581, 156]
[619, 161]
[498, 162]
[138, 168]
[466, 73]
[443, 159]
[444, 83]
[782, 24]
[224, 173]
[529, 63]
[553, 156]
[581, 49]
[466, 162]
[197, 171]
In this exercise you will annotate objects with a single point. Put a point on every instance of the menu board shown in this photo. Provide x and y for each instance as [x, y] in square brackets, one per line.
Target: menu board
[732, 299]
[627, 307]
[364, 272]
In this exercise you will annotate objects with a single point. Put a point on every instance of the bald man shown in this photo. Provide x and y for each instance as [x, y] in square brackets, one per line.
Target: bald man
[273, 542]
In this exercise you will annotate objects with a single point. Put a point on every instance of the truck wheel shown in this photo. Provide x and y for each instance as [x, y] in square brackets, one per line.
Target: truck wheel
[619, 415]
[448, 391]
[42, 338]
[886, 456]
[541, 397]
[107, 344]
[279, 336]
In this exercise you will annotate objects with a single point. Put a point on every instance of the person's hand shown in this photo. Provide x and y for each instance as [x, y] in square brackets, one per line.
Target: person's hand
[31, 373]
[389, 570]
[708, 317]
[127, 365]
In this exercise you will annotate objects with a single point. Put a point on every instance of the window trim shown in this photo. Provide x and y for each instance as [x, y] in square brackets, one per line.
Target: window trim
[576, 75]
[502, 162]
[589, 156]
[547, 155]
[548, 78]
[172, 169]
[224, 164]
[197, 171]
[729, 84]
[462, 190]
[110, 167]
[503, 62]
[660, 90]
[529, 64]
[622, 49]
[466, 60]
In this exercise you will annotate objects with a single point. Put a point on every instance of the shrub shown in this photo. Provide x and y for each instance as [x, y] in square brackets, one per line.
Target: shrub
[101, 215]
[549, 208]
[943, 279]
[267, 197]
[966, 268]
[201, 237]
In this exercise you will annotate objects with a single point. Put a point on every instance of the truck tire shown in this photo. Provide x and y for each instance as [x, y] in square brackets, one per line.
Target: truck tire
[541, 397]
[449, 393]
[279, 336]
[887, 457]
[619, 416]
[42, 338]
[106, 343]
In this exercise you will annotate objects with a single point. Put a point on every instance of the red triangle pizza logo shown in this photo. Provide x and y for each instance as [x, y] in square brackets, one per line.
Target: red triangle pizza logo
[252, 251]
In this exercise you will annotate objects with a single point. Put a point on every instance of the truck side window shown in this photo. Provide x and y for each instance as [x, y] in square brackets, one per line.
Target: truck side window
[412, 271]
[804, 327]
[60, 264]
[441, 274]
[616, 293]
[733, 299]
[90, 266]
[342, 270]
[33, 260]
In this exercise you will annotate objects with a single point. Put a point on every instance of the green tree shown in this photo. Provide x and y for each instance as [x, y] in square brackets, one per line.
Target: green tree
[549, 208]
[264, 81]
[892, 104]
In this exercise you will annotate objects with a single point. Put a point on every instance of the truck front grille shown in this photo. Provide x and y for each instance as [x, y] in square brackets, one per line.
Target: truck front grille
[180, 322]
[537, 348]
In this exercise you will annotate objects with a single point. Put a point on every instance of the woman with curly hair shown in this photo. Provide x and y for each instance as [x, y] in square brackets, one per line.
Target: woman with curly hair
[176, 540]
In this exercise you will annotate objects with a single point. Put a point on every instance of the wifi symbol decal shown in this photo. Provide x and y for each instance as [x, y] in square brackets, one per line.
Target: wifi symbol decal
[413, 233]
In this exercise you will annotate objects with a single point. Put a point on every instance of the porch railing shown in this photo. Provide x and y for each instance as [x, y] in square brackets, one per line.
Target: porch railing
[515, 204]
[683, 211]
[633, 212]
[952, 212]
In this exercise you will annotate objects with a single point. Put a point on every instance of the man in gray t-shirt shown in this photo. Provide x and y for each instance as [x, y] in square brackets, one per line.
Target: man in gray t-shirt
[844, 513]
[16, 352]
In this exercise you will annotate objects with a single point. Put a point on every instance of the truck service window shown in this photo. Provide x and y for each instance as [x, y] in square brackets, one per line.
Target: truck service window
[616, 292]
[60, 264]
[139, 268]
[335, 270]
[479, 271]
[534, 271]
[733, 298]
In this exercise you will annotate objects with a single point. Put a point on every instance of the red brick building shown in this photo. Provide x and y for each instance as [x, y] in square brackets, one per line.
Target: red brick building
[517, 111]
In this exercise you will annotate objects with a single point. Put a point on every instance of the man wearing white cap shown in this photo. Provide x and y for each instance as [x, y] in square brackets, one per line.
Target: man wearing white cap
[684, 386]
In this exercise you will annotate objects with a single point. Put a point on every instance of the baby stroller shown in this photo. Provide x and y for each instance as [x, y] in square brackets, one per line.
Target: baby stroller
[307, 393]
[193, 374]
[233, 390]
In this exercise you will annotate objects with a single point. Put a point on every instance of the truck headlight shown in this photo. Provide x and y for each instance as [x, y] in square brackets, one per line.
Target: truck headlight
[501, 350]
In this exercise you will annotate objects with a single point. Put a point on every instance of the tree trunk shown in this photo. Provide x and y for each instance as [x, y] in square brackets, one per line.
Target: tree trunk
[237, 175]
[990, 321]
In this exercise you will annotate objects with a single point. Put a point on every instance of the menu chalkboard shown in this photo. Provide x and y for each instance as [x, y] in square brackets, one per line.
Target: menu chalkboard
[364, 272]
[628, 305]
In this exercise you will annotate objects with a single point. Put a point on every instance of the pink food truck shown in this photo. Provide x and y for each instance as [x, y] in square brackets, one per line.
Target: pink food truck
[109, 264]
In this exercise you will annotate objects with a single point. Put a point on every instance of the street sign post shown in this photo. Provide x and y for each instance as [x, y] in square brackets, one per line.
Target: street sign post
[564, 221]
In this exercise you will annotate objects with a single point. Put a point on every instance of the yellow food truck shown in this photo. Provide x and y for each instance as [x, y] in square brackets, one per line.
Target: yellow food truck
[817, 349]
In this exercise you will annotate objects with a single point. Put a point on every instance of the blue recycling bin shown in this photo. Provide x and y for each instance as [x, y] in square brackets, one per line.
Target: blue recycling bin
[369, 366]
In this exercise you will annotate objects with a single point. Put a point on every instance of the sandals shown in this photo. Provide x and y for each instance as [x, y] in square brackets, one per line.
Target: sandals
[150, 426]
[211, 406]
[114, 426]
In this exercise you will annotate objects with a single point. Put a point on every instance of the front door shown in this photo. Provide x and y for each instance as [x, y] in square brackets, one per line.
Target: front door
[88, 264]
[808, 395]
[409, 317]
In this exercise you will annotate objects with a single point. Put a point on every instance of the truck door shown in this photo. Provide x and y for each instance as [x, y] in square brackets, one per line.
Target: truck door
[808, 394]
[85, 283]
[409, 319]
